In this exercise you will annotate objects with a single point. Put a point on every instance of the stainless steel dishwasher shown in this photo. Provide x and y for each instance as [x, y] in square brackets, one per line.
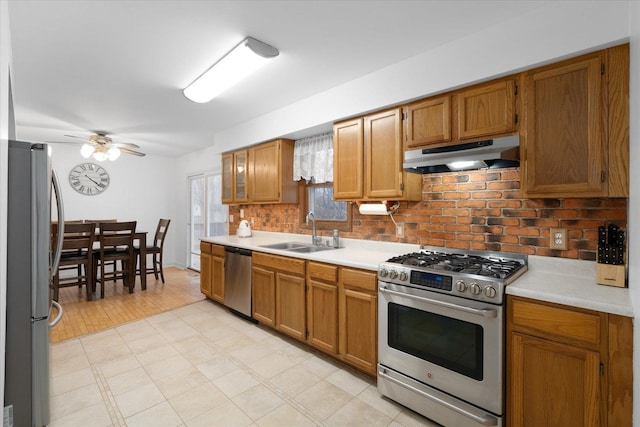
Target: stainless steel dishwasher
[237, 280]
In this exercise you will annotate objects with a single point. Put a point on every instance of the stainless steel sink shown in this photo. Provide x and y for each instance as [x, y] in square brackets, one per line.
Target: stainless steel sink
[286, 245]
[297, 247]
[307, 249]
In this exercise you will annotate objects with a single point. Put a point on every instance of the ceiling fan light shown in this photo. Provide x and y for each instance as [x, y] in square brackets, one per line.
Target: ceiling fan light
[248, 56]
[113, 153]
[87, 150]
[100, 155]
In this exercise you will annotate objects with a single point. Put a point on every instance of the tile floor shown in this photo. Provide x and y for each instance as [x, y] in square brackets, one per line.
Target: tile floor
[200, 365]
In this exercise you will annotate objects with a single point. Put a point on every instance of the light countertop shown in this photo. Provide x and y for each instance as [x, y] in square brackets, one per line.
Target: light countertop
[558, 280]
[570, 282]
[364, 254]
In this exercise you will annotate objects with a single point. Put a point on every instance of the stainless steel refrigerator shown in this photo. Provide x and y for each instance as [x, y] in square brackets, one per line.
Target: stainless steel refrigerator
[30, 267]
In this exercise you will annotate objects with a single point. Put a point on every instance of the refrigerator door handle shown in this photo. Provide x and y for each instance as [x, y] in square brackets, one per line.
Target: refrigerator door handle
[55, 321]
[60, 236]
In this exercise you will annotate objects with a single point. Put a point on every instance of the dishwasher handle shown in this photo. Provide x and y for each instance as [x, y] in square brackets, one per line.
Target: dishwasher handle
[239, 251]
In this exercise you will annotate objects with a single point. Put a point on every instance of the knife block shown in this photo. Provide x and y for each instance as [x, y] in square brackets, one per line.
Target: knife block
[611, 275]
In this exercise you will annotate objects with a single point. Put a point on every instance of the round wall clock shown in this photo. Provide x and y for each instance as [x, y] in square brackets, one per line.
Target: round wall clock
[89, 179]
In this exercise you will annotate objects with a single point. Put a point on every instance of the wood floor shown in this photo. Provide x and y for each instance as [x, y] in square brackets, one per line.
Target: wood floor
[81, 317]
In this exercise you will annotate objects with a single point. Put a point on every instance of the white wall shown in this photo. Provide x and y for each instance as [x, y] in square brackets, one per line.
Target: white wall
[141, 188]
[634, 197]
[6, 129]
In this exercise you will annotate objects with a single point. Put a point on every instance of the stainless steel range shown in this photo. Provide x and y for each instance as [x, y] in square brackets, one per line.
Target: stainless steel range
[441, 333]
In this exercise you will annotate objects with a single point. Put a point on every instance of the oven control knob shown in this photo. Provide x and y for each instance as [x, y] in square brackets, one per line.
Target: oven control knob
[490, 291]
[461, 286]
[384, 272]
[393, 274]
[403, 276]
[475, 288]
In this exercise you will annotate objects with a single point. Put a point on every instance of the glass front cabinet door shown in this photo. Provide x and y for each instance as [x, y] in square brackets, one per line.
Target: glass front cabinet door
[241, 190]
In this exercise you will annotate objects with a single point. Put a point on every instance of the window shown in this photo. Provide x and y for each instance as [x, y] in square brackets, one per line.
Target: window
[207, 214]
[329, 214]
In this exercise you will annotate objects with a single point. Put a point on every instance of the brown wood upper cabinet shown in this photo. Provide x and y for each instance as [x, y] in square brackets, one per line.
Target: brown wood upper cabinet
[575, 141]
[484, 110]
[272, 172]
[368, 158]
[260, 174]
[428, 122]
[235, 188]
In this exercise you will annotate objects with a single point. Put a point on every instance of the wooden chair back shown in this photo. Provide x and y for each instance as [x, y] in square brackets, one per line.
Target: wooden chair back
[161, 232]
[77, 251]
[78, 236]
[116, 244]
[114, 234]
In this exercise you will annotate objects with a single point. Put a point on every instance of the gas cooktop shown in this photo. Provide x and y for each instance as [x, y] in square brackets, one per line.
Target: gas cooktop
[470, 274]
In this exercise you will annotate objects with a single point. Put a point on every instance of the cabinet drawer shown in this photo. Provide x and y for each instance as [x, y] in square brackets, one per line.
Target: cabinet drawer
[556, 320]
[359, 279]
[275, 262]
[205, 247]
[218, 250]
[324, 272]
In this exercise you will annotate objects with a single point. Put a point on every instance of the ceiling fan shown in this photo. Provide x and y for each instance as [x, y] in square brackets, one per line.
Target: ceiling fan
[102, 147]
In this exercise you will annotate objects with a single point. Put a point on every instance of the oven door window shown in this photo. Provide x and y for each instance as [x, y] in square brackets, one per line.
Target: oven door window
[451, 343]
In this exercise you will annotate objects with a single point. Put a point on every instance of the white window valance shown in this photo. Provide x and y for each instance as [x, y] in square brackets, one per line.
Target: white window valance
[313, 158]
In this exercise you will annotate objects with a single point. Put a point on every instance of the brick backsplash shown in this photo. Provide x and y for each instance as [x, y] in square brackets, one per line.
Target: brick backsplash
[480, 210]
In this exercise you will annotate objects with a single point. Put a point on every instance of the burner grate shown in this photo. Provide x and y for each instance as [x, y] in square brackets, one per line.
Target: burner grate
[491, 267]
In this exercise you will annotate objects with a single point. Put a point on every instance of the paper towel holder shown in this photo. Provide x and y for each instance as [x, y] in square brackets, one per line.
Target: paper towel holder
[379, 208]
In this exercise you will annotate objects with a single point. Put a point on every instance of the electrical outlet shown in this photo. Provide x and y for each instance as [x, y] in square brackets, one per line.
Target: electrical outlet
[241, 213]
[399, 230]
[230, 218]
[558, 239]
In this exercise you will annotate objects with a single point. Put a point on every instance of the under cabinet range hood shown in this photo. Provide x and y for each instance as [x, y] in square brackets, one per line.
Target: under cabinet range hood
[492, 153]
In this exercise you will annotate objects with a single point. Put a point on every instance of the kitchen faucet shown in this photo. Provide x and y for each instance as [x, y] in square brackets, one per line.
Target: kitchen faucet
[314, 239]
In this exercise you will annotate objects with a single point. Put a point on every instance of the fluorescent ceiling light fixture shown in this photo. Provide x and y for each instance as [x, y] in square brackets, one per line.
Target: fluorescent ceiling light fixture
[248, 56]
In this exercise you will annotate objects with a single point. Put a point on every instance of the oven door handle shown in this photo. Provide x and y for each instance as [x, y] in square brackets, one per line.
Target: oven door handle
[486, 420]
[490, 312]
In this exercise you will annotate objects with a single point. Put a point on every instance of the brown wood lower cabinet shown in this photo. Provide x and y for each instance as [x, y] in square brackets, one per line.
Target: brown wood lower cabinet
[567, 366]
[217, 273]
[212, 271]
[358, 312]
[332, 308]
[263, 294]
[342, 314]
[290, 305]
[206, 263]
[322, 306]
[279, 293]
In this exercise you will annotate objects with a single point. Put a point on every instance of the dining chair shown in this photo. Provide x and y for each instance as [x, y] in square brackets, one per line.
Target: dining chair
[53, 243]
[116, 244]
[77, 251]
[156, 249]
[97, 222]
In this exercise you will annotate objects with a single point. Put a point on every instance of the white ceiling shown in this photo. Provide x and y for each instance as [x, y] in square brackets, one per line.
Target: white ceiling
[119, 66]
